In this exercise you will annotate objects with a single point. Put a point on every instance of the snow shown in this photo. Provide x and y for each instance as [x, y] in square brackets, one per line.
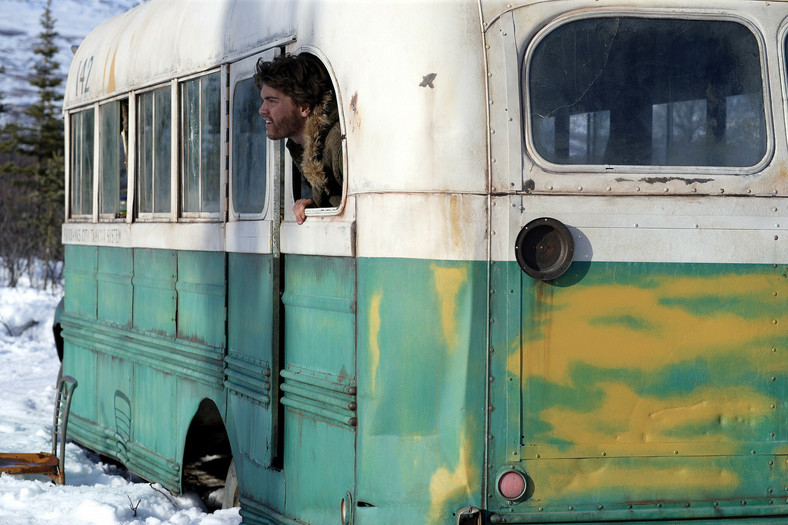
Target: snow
[95, 493]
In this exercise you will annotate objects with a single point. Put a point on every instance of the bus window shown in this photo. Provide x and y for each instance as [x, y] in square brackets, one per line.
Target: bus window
[249, 143]
[153, 152]
[636, 91]
[82, 164]
[114, 143]
[201, 143]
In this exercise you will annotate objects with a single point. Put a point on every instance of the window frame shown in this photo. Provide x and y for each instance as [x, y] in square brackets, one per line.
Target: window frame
[105, 217]
[203, 216]
[241, 71]
[592, 171]
[140, 216]
[92, 215]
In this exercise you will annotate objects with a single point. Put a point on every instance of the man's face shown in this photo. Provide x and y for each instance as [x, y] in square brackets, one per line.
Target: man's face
[283, 117]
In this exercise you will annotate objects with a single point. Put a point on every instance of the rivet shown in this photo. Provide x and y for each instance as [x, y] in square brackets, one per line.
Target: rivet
[541, 509]
[774, 294]
[696, 225]
[776, 237]
[659, 505]
[774, 349]
[676, 452]
[637, 189]
[549, 187]
[771, 434]
[774, 407]
[694, 190]
[579, 188]
[666, 190]
[749, 190]
[601, 507]
[636, 225]
[722, 190]
[609, 188]
[571, 507]
[604, 453]
[774, 378]
[538, 456]
[687, 504]
[774, 321]
[743, 502]
[492, 132]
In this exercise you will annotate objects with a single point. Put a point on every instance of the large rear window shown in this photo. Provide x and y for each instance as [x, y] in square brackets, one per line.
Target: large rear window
[647, 92]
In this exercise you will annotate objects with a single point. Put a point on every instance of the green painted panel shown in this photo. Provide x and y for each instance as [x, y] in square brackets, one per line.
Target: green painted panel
[80, 281]
[201, 297]
[627, 384]
[155, 273]
[319, 384]
[319, 299]
[318, 478]
[250, 300]
[114, 387]
[80, 363]
[115, 293]
[422, 328]
[154, 411]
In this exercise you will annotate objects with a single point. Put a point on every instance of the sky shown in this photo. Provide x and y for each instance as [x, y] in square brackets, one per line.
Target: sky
[95, 493]
[19, 29]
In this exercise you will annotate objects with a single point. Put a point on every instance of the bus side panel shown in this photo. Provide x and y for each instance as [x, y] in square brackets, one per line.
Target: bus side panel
[643, 388]
[201, 289]
[319, 383]
[422, 347]
[249, 377]
[114, 289]
[79, 360]
[155, 274]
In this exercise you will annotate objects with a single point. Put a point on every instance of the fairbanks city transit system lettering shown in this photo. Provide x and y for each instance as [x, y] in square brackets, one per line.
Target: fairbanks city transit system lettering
[92, 235]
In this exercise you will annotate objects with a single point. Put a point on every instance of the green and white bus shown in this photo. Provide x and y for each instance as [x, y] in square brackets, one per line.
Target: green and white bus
[553, 291]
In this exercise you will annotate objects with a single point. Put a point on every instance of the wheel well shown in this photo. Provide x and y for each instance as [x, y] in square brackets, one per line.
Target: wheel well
[207, 453]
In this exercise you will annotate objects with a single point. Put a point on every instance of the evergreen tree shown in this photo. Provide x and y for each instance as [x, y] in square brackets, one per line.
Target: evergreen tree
[42, 141]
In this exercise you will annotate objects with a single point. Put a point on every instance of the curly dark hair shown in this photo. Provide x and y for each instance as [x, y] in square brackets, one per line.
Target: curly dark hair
[301, 77]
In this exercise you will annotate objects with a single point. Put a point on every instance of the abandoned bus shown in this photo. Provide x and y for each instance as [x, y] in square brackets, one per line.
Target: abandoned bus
[553, 290]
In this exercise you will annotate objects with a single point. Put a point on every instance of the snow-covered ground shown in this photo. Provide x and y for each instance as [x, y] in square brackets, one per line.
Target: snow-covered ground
[95, 493]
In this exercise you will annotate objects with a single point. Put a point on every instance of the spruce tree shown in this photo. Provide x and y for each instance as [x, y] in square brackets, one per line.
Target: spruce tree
[43, 142]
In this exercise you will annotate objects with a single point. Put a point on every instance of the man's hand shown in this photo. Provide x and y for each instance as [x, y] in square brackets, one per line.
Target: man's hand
[299, 207]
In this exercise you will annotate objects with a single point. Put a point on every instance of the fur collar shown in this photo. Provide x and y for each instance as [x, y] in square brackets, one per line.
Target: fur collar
[318, 124]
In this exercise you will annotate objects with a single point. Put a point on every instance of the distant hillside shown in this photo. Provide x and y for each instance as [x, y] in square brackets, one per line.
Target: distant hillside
[19, 29]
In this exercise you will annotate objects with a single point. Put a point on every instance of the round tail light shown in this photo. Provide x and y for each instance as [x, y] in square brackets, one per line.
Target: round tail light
[512, 484]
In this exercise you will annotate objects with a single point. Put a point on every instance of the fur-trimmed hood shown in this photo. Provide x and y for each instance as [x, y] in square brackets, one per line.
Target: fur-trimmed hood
[321, 163]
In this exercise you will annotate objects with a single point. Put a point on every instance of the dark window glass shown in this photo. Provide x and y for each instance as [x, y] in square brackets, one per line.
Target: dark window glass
[82, 163]
[201, 102]
[636, 91]
[248, 140]
[114, 134]
[153, 151]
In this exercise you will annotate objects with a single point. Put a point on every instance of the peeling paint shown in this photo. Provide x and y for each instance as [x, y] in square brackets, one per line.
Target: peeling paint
[374, 330]
[447, 283]
[446, 484]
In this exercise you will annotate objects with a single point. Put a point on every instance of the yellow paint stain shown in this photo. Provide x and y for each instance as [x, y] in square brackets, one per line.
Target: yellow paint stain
[625, 417]
[617, 326]
[447, 283]
[446, 484]
[111, 79]
[374, 330]
[575, 478]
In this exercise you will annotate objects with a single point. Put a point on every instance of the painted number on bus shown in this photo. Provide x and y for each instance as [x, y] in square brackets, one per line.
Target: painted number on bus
[83, 75]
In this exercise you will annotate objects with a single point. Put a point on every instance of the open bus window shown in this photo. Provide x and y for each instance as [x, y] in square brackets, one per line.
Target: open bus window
[113, 154]
[201, 145]
[637, 91]
[153, 151]
[249, 144]
[81, 163]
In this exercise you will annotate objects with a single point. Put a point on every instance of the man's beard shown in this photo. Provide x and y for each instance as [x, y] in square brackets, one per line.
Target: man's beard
[285, 127]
